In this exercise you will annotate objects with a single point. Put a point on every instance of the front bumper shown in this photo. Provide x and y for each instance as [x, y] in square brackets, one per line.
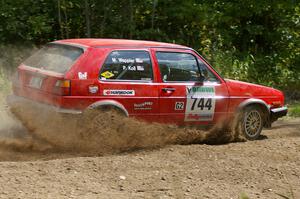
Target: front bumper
[276, 113]
[18, 101]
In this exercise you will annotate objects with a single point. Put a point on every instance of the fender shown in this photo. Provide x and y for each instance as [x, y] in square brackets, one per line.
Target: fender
[108, 103]
[254, 101]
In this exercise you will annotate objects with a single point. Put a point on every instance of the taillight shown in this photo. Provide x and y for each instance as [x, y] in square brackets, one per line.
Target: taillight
[62, 87]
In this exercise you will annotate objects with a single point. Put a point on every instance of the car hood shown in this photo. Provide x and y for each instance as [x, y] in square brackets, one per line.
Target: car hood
[240, 88]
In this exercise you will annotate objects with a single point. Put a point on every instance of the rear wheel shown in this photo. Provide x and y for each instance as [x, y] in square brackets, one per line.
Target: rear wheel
[100, 129]
[251, 122]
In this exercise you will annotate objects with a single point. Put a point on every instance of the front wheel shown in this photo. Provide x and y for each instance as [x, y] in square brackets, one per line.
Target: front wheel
[251, 122]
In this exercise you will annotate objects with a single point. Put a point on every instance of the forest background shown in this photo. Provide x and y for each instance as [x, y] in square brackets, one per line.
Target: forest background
[251, 40]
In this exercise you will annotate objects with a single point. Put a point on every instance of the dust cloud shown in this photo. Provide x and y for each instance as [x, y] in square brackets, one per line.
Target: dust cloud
[9, 127]
[13, 136]
[107, 131]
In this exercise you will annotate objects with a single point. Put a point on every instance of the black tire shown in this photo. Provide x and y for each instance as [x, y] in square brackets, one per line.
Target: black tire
[251, 122]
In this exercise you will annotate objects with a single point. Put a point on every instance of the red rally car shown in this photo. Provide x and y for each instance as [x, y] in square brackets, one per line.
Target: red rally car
[153, 81]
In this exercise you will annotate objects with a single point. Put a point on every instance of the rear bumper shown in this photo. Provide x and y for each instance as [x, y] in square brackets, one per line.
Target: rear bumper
[15, 101]
[278, 113]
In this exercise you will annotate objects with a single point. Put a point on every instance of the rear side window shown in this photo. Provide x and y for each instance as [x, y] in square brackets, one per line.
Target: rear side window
[127, 65]
[54, 57]
[176, 66]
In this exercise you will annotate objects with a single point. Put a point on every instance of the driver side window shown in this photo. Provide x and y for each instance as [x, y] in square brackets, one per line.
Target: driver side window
[207, 74]
[177, 66]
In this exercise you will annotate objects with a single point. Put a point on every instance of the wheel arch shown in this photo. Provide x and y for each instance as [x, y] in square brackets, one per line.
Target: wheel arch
[251, 102]
[111, 103]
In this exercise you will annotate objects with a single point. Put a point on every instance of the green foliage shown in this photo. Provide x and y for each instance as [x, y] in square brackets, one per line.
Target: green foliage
[258, 41]
[294, 109]
[252, 40]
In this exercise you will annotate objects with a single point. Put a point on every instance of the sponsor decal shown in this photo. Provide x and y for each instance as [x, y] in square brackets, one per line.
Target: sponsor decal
[107, 74]
[119, 92]
[93, 89]
[198, 117]
[200, 104]
[143, 106]
[82, 75]
[200, 90]
[179, 106]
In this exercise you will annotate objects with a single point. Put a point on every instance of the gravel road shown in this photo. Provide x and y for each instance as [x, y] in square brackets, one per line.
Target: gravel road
[266, 168]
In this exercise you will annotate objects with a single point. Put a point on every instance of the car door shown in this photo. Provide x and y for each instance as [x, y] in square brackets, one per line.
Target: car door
[127, 78]
[183, 98]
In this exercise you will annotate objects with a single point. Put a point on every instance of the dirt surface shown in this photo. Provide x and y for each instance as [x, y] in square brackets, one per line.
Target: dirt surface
[266, 168]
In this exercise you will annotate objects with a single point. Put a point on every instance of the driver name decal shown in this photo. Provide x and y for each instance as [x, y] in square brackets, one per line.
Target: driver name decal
[200, 104]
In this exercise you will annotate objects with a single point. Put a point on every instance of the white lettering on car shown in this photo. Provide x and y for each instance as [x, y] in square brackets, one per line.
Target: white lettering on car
[133, 68]
[126, 61]
[138, 60]
[140, 68]
[143, 106]
[119, 92]
[200, 104]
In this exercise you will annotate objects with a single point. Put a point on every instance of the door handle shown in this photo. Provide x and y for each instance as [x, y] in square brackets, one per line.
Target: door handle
[168, 90]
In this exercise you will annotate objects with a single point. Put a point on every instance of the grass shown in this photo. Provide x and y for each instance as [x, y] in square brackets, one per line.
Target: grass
[294, 109]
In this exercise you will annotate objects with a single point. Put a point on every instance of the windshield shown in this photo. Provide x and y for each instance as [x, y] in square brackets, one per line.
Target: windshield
[54, 57]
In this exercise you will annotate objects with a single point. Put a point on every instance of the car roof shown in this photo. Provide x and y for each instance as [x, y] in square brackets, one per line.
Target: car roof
[118, 42]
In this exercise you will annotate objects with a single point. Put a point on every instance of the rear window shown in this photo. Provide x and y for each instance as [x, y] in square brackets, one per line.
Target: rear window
[54, 57]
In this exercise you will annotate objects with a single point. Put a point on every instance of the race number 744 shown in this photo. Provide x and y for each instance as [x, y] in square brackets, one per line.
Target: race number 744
[201, 103]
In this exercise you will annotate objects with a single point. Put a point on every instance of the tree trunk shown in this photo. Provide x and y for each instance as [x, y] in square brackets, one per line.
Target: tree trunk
[87, 18]
[106, 7]
[59, 20]
[153, 13]
[66, 20]
[131, 20]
